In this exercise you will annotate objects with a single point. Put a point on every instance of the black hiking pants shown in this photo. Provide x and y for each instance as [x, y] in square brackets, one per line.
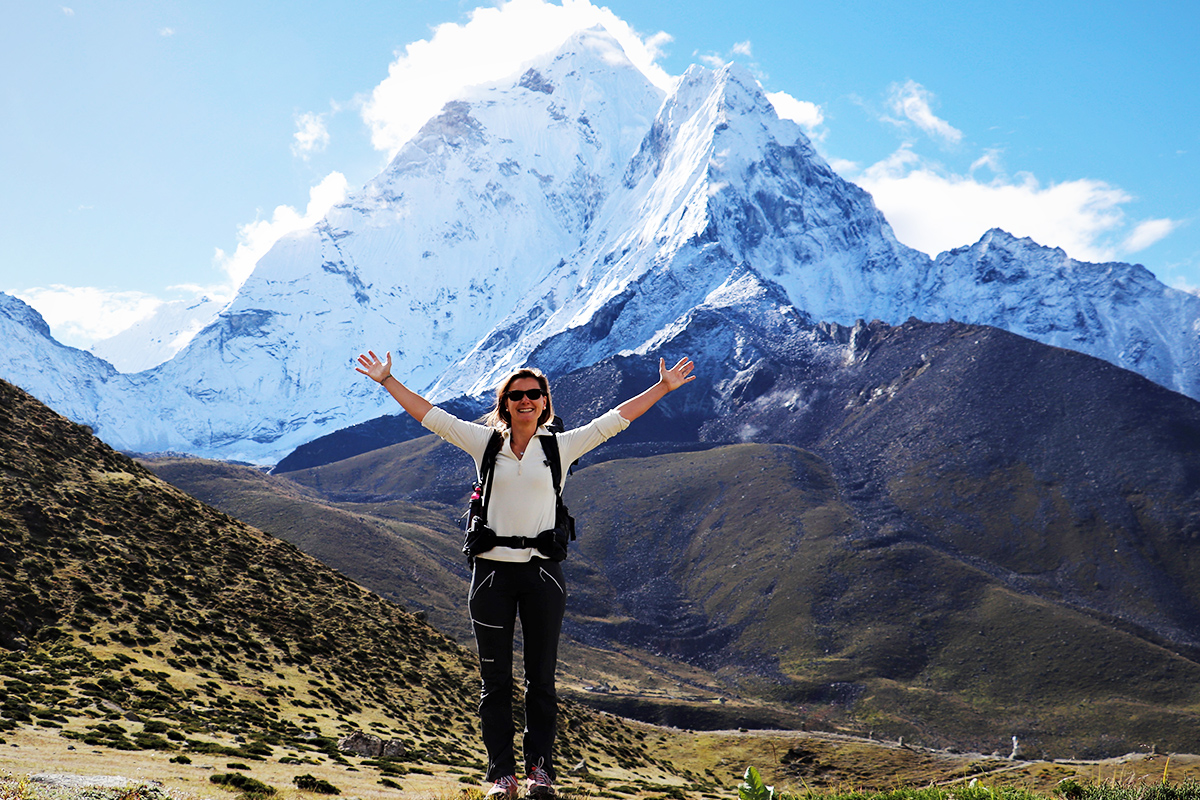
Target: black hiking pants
[500, 592]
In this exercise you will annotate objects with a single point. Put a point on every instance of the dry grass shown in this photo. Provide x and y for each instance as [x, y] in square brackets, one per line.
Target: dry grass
[702, 766]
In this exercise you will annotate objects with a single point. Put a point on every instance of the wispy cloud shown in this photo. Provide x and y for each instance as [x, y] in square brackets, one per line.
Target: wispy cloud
[914, 103]
[81, 315]
[69, 12]
[256, 238]
[743, 49]
[166, 32]
[991, 159]
[492, 44]
[934, 210]
[1148, 233]
[801, 111]
[311, 135]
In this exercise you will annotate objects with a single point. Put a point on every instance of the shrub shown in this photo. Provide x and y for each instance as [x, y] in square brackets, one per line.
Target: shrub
[307, 783]
[150, 741]
[244, 783]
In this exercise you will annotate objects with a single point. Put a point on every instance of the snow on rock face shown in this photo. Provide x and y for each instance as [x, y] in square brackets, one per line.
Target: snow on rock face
[1118, 312]
[74, 382]
[718, 184]
[561, 216]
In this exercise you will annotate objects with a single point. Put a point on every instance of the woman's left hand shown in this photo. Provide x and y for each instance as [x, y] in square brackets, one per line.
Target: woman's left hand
[677, 375]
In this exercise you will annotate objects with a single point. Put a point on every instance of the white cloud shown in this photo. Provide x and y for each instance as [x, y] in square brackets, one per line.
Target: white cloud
[1148, 233]
[492, 44]
[166, 31]
[934, 211]
[256, 238]
[913, 102]
[70, 12]
[743, 49]
[656, 45]
[989, 159]
[1183, 284]
[800, 111]
[81, 315]
[311, 135]
[843, 166]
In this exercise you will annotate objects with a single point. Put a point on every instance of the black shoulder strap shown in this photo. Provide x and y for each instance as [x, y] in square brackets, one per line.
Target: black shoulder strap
[556, 426]
[487, 468]
[550, 448]
[554, 459]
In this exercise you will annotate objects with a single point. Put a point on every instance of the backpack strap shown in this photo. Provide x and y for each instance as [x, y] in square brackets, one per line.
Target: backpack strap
[554, 460]
[487, 470]
[556, 427]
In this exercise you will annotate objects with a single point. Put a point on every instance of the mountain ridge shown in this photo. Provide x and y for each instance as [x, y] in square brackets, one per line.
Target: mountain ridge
[570, 212]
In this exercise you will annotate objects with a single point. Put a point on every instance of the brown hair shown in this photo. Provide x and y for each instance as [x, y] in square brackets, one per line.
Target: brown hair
[499, 417]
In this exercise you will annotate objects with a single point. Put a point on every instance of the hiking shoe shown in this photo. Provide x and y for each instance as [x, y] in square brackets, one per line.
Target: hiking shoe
[506, 788]
[539, 784]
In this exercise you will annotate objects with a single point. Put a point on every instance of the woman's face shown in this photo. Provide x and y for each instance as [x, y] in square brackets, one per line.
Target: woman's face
[525, 409]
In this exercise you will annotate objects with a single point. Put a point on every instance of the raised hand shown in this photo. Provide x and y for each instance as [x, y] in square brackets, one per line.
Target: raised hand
[677, 375]
[373, 368]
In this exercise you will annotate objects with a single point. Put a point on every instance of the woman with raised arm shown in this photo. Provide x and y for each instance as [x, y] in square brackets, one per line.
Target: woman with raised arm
[511, 581]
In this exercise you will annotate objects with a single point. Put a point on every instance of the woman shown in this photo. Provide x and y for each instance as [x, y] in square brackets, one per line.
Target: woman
[510, 582]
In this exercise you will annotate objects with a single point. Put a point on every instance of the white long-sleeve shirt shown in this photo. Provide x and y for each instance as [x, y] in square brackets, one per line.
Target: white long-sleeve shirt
[522, 501]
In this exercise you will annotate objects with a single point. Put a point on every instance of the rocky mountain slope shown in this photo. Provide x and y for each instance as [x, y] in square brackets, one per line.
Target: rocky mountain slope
[564, 215]
[940, 531]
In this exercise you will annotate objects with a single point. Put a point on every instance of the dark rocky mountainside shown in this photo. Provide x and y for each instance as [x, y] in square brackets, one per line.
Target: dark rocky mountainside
[934, 530]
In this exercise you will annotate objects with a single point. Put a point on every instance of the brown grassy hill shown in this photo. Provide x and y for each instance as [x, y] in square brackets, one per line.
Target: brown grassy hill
[133, 617]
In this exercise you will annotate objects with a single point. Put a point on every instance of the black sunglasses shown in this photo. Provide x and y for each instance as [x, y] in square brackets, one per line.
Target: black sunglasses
[517, 395]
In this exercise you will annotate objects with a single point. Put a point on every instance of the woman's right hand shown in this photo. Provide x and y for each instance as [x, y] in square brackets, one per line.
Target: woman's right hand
[373, 368]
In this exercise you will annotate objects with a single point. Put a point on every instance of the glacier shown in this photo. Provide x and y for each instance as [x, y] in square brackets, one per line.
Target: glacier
[568, 213]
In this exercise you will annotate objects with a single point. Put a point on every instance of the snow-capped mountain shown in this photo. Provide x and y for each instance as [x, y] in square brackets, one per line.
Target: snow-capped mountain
[73, 382]
[718, 183]
[150, 342]
[569, 213]
[1115, 311]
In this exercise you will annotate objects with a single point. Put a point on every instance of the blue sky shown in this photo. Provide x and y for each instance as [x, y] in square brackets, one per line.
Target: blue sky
[151, 150]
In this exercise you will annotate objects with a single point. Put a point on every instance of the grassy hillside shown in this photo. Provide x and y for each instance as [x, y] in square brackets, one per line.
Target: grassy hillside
[741, 572]
[405, 552]
[755, 546]
[135, 618]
